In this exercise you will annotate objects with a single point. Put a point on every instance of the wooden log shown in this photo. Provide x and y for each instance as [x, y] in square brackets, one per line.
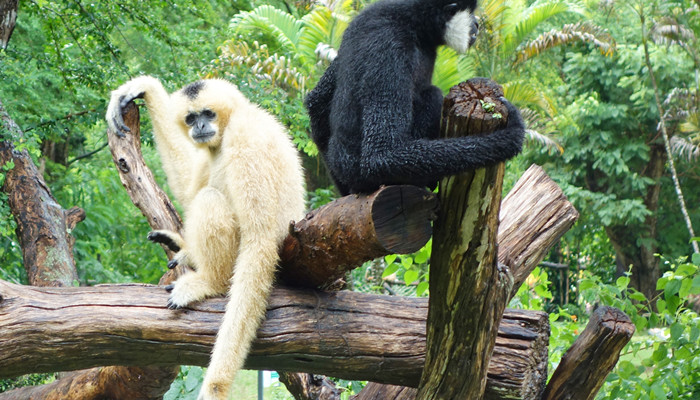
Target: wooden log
[468, 292]
[349, 335]
[587, 363]
[42, 224]
[343, 234]
[309, 386]
[534, 216]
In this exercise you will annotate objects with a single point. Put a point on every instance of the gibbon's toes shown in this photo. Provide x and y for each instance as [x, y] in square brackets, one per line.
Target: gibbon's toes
[172, 305]
[169, 288]
[160, 237]
[172, 264]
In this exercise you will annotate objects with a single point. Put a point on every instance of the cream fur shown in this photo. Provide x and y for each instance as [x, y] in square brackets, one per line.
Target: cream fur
[239, 191]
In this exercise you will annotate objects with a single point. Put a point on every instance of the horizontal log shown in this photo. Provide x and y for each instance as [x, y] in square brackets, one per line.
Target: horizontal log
[341, 235]
[348, 335]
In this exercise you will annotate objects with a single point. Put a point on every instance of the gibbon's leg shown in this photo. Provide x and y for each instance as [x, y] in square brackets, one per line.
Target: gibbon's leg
[318, 103]
[246, 307]
[211, 241]
[422, 161]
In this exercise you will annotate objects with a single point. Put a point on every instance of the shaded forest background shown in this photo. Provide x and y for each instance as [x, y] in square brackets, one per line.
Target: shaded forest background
[596, 80]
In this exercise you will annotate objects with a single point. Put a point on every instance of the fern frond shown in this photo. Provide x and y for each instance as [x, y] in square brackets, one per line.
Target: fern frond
[279, 24]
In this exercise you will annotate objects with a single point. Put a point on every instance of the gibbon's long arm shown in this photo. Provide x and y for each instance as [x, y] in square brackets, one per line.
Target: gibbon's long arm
[176, 150]
[318, 103]
[395, 157]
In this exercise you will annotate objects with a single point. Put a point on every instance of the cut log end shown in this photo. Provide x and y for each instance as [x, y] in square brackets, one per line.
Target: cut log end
[402, 218]
[473, 107]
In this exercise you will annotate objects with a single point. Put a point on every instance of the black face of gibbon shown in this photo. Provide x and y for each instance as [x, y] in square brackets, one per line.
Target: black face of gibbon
[375, 115]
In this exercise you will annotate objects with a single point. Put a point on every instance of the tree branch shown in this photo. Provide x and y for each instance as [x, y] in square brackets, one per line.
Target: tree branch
[344, 334]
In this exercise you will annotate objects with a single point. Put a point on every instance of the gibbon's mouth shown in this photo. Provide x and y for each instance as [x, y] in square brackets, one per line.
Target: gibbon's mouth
[203, 137]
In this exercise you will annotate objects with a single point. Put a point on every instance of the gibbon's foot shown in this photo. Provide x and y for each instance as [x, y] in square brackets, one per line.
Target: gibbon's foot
[163, 238]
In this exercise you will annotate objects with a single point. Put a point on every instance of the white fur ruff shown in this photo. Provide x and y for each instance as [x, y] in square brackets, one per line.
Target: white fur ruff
[459, 30]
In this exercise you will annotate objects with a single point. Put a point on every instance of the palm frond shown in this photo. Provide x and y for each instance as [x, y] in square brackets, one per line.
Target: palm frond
[324, 25]
[684, 148]
[669, 31]
[579, 32]
[525, 95]
[451, 69]
[276, 69]
[535, 15]
[273, 21]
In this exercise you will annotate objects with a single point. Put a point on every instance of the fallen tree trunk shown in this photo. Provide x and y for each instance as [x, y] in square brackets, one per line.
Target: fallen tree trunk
[349, 335]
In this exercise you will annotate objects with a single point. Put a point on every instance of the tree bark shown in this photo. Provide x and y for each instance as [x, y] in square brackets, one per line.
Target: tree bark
[42, 224]
[349, 335]
[468, 291]
[534, 216]
[8, 17]
[340, 236]
[584, 367]
[47, 246]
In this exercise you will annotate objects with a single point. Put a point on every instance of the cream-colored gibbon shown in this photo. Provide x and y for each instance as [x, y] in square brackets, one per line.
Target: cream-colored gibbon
[236, 172]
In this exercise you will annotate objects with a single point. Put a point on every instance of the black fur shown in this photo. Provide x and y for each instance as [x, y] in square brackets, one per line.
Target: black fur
[192, 90]
[375, 115]
[162, 238]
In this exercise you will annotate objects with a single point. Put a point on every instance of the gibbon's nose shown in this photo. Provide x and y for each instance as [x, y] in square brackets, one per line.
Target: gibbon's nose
[474, 32]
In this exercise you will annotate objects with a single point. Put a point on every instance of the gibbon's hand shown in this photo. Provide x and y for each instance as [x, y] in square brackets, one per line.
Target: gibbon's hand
[115, 110]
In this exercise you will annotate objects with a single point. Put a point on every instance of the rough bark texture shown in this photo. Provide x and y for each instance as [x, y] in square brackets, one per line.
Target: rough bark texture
[309, 386]
[140, 184]
[343, 234]
[349, 335]
[534, 216]
[42, 224]
[8, 17]
[584, 367]
[468, 291]
[103, 383]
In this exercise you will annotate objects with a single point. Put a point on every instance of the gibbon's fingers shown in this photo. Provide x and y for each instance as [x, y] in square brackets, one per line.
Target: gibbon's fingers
[172, 264]
[165, 239]
[169, 288]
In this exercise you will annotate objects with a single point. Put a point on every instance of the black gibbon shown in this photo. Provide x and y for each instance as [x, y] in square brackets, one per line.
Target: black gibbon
[375, 115]
[237, 174]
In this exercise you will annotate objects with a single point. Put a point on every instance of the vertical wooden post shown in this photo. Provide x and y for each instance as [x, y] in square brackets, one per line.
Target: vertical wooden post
[468, 290]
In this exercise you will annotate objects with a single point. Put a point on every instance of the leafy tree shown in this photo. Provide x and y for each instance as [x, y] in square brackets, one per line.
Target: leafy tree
[613, 168]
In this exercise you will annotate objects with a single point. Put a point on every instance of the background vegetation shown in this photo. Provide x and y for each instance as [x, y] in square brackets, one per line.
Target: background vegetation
[586, 73]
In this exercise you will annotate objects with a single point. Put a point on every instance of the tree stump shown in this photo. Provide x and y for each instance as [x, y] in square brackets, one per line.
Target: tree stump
[468, 292]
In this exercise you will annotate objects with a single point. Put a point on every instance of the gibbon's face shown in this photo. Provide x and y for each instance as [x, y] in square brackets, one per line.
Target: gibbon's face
[461, 27]
[202, 125]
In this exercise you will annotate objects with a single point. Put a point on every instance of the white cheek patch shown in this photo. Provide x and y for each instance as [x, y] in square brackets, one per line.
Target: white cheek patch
[459, 30]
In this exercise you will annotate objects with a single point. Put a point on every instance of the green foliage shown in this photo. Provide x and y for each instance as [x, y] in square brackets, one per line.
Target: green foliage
[411, 269]
[25, 380]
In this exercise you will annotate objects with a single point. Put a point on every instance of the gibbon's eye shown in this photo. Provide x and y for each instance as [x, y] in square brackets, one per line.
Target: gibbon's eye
[190, 119]
[209, 114]
[450, 9]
